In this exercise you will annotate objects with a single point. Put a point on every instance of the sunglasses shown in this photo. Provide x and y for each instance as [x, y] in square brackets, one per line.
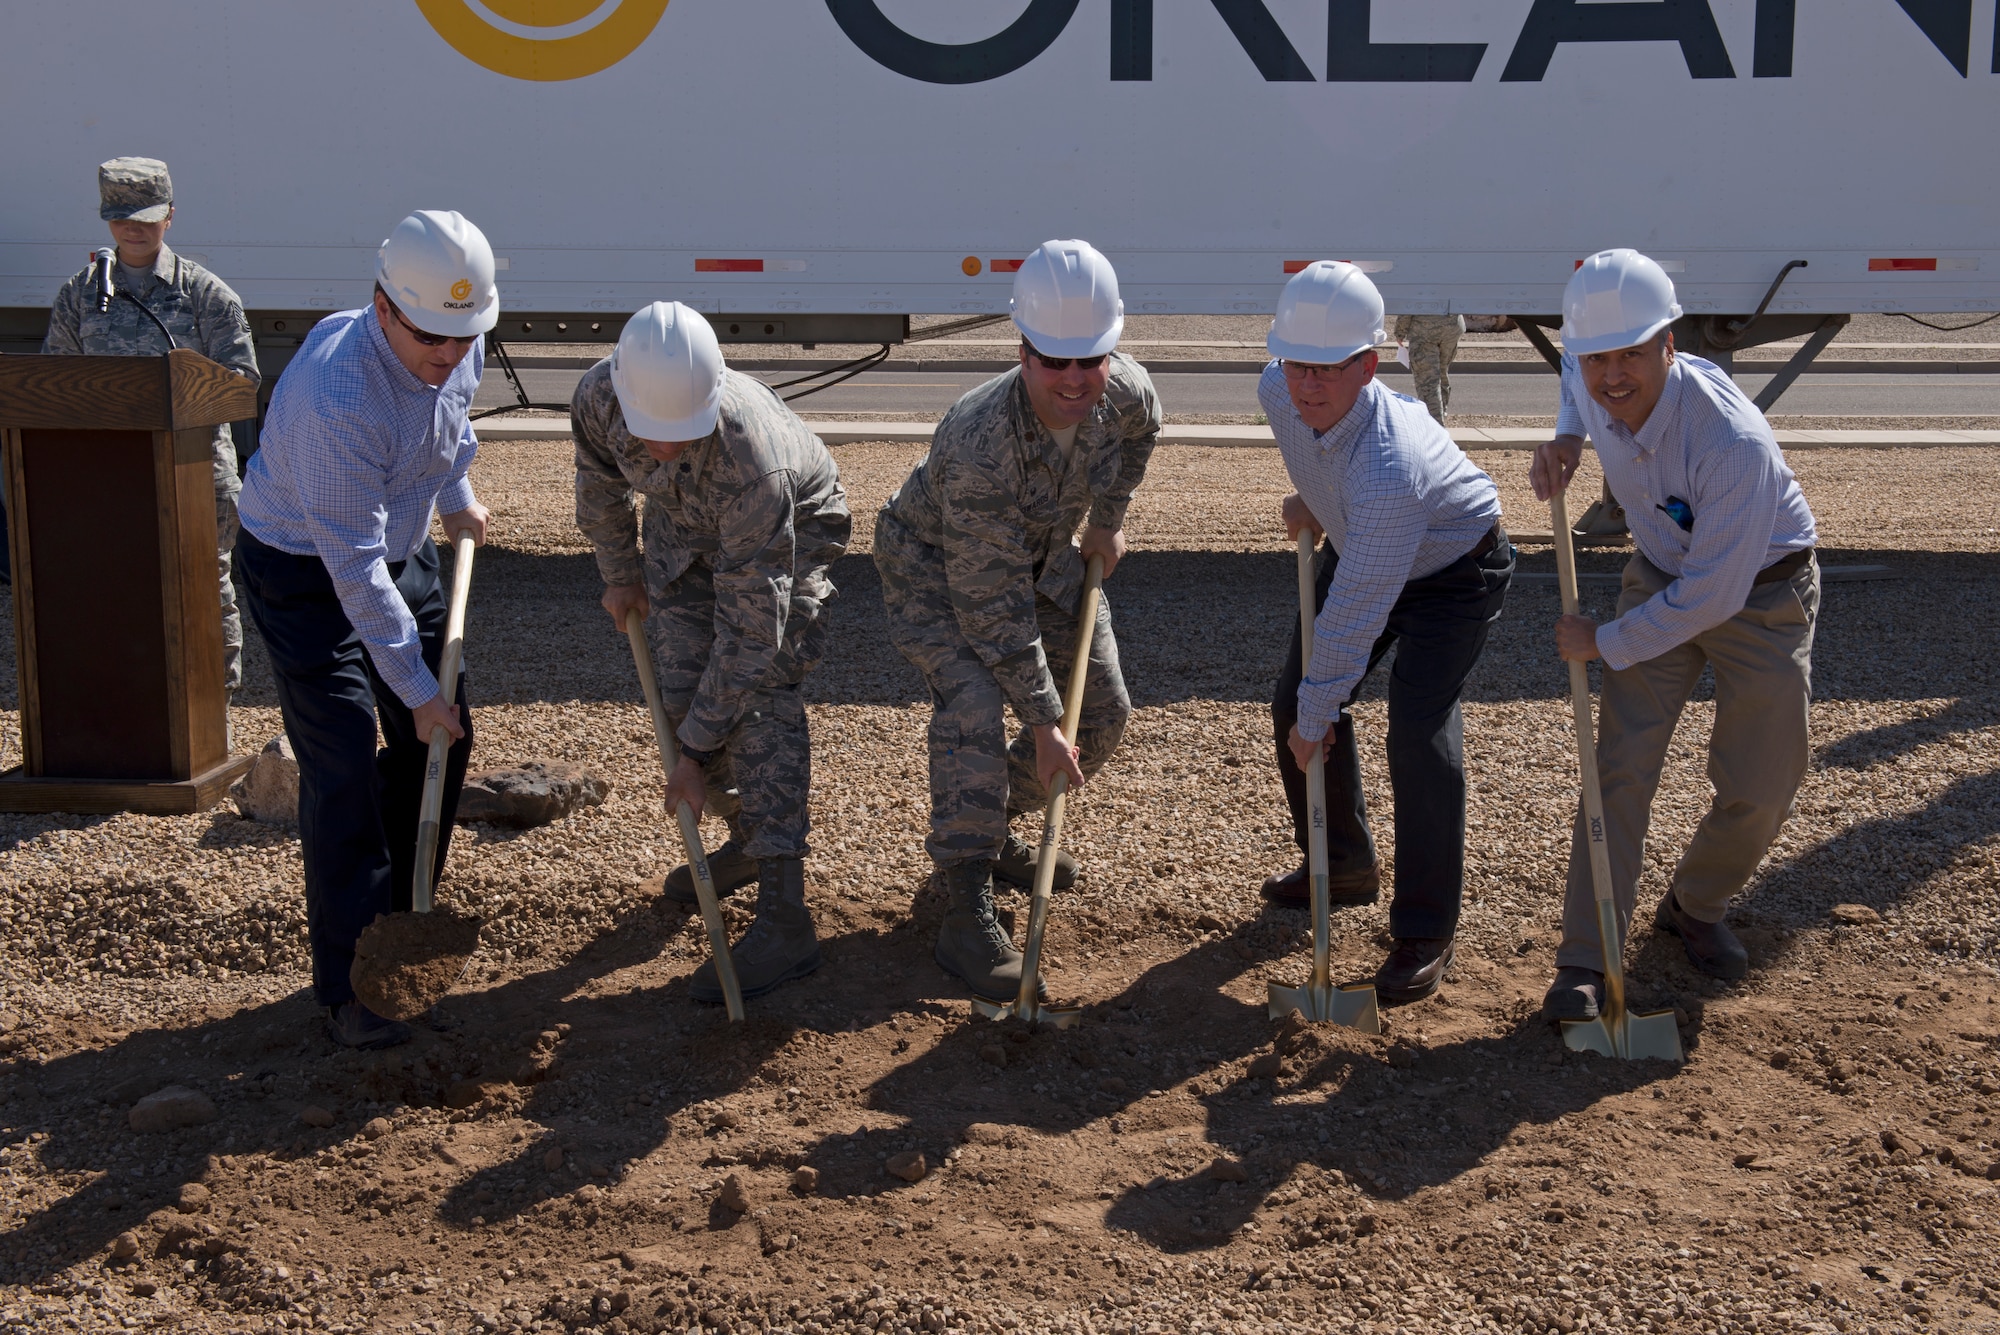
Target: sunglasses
[432, 340]
[1064, 363]
[1314, 370]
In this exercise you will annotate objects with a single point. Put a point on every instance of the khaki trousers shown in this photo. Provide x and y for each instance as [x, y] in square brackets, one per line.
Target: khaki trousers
[1757, 753]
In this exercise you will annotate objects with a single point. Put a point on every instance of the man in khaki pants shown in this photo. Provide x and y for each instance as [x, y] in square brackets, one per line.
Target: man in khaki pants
[1723, 577]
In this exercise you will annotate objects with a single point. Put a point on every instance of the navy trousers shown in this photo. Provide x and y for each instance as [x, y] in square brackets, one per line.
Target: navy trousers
[358, 804]
[1440, 623]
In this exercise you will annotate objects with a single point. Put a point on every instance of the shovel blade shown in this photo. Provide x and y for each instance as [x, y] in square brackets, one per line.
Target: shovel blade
[1059, 1017]
[1654, 1035]
[1352, 1005]
[1630, 1037]
[1589, 1036]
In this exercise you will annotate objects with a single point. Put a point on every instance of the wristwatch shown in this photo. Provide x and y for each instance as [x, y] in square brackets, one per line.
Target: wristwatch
[700, 758]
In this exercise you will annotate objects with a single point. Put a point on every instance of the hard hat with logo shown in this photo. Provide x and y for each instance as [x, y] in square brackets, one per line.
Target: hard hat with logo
[438, 270]
[667, 372]
[1328, 312]
[1616, 299]
[1066, 301]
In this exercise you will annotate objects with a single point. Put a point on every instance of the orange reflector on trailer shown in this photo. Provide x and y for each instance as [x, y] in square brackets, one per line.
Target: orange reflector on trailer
[1903, 266]
[971, 266]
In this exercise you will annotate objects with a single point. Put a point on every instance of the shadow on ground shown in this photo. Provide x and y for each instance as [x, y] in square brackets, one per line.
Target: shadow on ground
[1176, 647]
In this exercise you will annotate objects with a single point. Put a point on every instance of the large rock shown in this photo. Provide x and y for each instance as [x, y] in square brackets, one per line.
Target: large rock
[169, 1109]
[270, 791]
[536, 792]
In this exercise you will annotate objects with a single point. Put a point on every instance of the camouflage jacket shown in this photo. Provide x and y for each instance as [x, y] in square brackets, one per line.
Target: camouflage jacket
[192, 302]
[759, 502]
[1000, 504]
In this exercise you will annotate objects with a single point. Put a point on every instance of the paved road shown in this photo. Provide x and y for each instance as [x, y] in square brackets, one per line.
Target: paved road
[1472, 392]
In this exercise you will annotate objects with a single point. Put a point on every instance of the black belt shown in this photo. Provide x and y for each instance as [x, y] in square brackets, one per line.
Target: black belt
[1496, 537]
[1784, 567]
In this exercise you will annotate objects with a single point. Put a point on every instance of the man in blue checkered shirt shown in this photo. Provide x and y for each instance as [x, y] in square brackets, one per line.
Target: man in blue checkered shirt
[1415, 559]
[366, 438]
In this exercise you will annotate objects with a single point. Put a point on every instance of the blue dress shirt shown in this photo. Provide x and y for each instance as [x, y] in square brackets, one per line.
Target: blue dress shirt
[355, 454]
[1707, 453]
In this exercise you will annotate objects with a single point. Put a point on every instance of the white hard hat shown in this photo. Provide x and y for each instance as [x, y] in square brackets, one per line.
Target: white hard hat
[1066, 301]
[667, 371]
[1328, 312]
[438, 270]
[1616, 299]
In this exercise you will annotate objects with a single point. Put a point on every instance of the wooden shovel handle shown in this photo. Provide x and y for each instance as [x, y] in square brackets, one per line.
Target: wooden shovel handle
[1025, 1001]
[430, 813]
[704, 881]
[1316, 853]
[1586, 758]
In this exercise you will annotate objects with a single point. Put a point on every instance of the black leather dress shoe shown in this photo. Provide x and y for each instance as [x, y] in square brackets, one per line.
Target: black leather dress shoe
[1413, 970]
[1350, 889]
[1576, 994]
[1711, 946]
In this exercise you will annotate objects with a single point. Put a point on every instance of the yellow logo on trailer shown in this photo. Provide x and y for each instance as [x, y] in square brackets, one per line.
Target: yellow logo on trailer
[546, 40]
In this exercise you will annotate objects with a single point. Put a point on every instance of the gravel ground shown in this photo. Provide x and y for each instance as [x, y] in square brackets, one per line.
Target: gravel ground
[578, 1147]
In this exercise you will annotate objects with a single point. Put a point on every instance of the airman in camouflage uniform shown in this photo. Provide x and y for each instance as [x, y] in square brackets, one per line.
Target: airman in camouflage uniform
[1433, 341]
[136, 197]
[983, 580]
[733, 553]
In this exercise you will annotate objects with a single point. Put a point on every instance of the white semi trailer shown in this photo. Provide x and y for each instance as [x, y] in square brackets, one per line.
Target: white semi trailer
[811, 170]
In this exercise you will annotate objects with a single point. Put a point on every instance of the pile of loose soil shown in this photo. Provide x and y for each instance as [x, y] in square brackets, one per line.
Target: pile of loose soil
[576, 1146]
[405, 963]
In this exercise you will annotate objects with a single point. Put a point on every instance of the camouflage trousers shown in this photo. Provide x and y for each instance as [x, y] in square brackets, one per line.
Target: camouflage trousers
[759, 779]
[232, 618]
[1431, 354]
[978, 781]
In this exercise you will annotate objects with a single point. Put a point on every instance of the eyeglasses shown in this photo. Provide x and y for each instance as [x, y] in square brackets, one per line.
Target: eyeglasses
[1064, 363]
[1317, 371]
[432, 340]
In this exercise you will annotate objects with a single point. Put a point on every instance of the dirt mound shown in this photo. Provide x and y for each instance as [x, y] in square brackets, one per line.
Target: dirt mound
[405, 963]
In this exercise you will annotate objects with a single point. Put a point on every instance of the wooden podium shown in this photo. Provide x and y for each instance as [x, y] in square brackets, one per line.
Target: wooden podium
[117, 627]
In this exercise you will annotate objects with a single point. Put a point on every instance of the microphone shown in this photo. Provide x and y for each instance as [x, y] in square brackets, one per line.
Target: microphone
[101, 261]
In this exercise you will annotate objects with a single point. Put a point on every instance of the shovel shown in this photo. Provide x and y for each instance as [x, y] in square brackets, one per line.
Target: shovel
[405, 963]
[704, 883]
[1616, 1032]
[1351, 1004]
[1027, 1004]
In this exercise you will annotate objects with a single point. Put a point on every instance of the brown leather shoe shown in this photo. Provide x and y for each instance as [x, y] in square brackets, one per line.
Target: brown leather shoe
[1414, 969]
[1711, 946]
[1350, 889]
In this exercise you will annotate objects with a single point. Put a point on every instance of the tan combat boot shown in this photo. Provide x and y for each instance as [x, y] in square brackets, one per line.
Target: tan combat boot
[1017, 860]
[1604, 519]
